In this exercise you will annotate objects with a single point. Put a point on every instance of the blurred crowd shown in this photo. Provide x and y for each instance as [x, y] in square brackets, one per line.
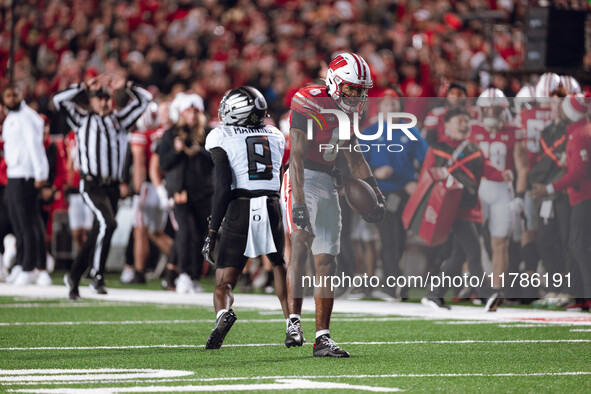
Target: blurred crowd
[274, 45]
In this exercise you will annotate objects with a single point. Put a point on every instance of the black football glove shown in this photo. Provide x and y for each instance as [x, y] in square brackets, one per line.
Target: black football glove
[209, 246]
[301, 217]
[337, 177]
[379, 212]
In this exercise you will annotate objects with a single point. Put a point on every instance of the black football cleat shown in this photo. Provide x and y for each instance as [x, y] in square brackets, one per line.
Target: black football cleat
[74, 294]
[222, 326]
[326, 347]
[98, 285]
[294, 335]
[494, 302]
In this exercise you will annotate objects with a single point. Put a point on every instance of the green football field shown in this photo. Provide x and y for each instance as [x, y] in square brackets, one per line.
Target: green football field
[49, 344]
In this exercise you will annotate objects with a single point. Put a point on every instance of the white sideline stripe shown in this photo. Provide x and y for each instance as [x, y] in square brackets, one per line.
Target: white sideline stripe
[64, 371]
[468, 341]
[508, 323]
[383, 376]
[580, 330]
[280, 384]
[72, 305]
[470, 322]
[130, 322]
[533, 325]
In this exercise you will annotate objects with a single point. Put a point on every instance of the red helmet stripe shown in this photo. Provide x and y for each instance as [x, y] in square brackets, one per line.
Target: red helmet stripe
[361, 71]
[338, 62]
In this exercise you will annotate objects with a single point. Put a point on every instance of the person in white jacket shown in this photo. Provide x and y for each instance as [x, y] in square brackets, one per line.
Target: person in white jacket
[27, 171]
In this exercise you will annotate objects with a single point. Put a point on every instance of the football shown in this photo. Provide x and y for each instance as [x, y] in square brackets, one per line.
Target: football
[360, 196]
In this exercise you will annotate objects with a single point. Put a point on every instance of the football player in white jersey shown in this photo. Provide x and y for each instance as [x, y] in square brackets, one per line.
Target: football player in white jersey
[247, 156]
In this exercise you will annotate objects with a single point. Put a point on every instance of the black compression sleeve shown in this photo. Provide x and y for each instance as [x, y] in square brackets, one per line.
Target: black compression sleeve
[299, 121]
[223, 187]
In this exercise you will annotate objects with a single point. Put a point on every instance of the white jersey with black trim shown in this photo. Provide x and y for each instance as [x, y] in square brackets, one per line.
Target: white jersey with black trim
[255, 155]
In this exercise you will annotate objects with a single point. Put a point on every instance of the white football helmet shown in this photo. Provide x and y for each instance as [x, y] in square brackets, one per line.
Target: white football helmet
[348, 69]
[570, 84]
[547, 83]
[494, 107]
[244, 106]
[525, 98]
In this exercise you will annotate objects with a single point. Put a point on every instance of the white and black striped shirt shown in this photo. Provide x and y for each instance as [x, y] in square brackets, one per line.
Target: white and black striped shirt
[102, 140]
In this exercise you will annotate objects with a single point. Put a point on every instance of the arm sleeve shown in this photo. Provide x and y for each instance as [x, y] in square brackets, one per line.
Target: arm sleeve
[576, 167]
[298, 121]
[223, 187]
[74, 114]
[132, 111]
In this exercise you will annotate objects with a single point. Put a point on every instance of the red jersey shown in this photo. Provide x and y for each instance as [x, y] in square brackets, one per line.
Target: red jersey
[148, 140]
[309, 102]
[533, 121]
[578, 171]
[497, 147]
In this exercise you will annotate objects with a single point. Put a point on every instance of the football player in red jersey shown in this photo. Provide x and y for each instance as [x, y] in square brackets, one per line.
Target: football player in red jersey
[312, 199]
[534, 117]
[80, 216]
[149, 219]
[500, 143]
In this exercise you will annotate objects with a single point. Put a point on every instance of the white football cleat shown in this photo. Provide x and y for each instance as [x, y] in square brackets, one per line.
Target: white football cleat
[43, 279]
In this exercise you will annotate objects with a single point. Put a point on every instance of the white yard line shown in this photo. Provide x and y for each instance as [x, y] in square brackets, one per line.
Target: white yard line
[281, 382]
[376, 343]
[263, 302]
[279, 385]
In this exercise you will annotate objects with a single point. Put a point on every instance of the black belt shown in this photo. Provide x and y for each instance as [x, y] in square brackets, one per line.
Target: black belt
[108, 181]
[244, 193]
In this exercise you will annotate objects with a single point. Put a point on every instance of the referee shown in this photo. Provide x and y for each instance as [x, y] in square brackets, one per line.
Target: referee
[101, 134]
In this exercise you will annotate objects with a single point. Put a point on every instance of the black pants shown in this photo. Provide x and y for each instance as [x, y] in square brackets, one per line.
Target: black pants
[5, 225]
[553, 238]
[465, 247]
[393, 238]
[102, 201]
[580, 242]
[192, 220]
[22, 200]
